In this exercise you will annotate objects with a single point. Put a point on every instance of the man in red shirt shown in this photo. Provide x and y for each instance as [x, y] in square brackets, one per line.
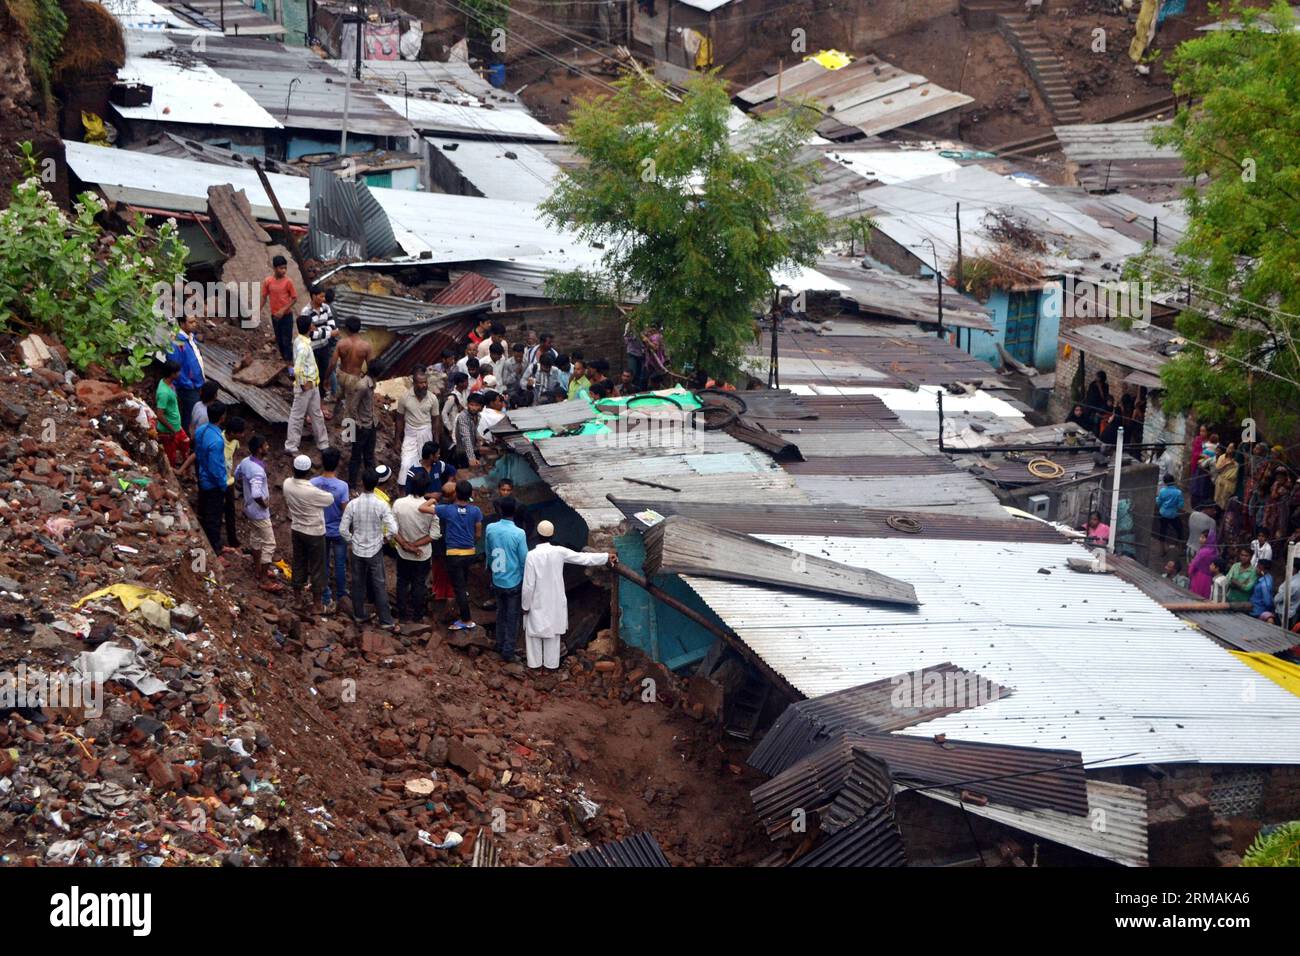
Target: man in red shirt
[278, 291]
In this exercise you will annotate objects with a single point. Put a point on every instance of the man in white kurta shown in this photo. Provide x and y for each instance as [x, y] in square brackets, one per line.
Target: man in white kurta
[545, 605]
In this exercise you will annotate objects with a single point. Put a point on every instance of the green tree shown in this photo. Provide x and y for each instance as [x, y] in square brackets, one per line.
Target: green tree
[94, 290]
[1279, 848]
[1240, 139]
[692, 218]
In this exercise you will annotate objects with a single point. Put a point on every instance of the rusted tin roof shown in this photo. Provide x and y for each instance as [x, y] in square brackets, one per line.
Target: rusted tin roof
[782, 518]
[847, 794]
[638, 850]
[679, 545]
[469, 288]
[876, 707]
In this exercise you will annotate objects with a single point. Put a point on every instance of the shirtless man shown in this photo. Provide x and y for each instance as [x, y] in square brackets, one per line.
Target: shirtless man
[351, 357]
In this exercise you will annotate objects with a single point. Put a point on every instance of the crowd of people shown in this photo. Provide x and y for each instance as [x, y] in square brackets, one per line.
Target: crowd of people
[1242, 508]
[1230, 514]
[347, 520]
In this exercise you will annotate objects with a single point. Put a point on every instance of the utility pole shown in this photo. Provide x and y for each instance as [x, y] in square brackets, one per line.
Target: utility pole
[1114, 492]
[959, 276]
[773, 366]
[1292, 549]
[347, 99]
[361, 20]
[938, 281]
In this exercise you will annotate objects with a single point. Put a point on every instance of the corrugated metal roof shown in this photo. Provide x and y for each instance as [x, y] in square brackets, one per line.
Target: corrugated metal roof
[561, 451]
[1088, 142]
[497, 170]
[266, 70]
[925, 209]
[384, 311]
[638, 850]
[1116, 345]
[185, 89]
[1160, 589]
[434, 116]
[871, 840]
[879, 706]
[1025, 777]
[436, 227]
[178, 147]
[1096, 665]
[911, 299]
[1242, 631]
[678, 545]
[272, 405]
[1121, 811]
[868, 94]
[850, 793]
[239, 18]
[469, 288]
[870, 352]
[780, 517]
[452, 80]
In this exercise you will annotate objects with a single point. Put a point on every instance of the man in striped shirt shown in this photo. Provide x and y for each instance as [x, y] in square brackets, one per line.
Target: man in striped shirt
[366, 522]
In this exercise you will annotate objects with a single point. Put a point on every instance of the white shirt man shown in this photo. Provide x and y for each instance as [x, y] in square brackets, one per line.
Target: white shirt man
[545, 605]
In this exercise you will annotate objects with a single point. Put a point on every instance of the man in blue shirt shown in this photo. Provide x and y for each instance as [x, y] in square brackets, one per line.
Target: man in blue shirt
[1169, 505]
[463, 526]
[185, 353]
[1261, 599]
[506, 547]
[336, 549]
[432, 469]
[210, 466]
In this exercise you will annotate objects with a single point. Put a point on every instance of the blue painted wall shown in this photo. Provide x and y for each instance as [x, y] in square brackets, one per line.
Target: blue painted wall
[664, 634]
[304, 146]
[984, 344]
[1049, 327]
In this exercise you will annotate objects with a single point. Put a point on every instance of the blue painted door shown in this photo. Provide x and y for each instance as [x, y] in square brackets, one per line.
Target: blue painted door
[1022, 326]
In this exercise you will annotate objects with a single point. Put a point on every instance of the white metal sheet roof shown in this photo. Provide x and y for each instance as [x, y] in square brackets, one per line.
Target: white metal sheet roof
[499, 170]
[144, 15]
[926, 209]
[433, 116]
[1096, 666]
[449, 228]
[185, 92]
[890, 166]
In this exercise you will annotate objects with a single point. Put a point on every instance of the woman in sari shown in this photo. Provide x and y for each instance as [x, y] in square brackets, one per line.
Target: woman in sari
[1206, 555]
[1225, 475]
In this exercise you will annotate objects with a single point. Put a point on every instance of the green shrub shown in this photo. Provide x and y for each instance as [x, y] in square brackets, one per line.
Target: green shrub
[91, 288]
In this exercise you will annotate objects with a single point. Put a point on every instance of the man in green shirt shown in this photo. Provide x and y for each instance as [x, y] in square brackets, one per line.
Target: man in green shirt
[1242, 577]
[578, 381]
[174, 439]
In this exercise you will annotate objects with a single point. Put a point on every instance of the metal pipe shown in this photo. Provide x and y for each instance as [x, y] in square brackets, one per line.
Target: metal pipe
[676, 605]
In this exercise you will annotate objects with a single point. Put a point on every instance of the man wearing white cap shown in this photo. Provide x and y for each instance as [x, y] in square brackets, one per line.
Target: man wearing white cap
[306, 504]
[545, 605]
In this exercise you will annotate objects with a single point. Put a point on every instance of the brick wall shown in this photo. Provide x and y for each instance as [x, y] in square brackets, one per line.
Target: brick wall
[597, 336]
